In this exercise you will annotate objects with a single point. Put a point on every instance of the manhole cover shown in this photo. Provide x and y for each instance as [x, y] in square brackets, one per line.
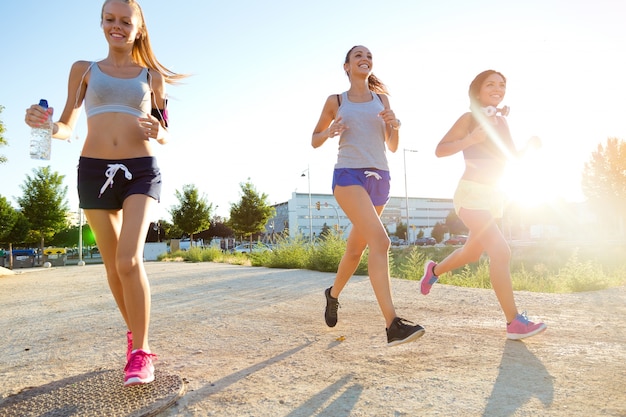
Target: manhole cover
[100, 393]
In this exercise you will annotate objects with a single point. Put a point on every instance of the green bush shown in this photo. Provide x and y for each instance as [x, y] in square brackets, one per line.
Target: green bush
[290, 254]
[545, 267]
[326, 255]
[413, 266]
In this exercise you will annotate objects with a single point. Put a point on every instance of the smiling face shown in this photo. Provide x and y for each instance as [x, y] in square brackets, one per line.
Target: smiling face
[358, 61]
[492, 90]
[121, 23]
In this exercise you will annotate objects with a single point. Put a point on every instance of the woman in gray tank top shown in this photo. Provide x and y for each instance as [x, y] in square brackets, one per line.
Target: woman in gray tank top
[366, 126]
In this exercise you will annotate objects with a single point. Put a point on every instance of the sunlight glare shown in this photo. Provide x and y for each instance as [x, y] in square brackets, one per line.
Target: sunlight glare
[528, 182]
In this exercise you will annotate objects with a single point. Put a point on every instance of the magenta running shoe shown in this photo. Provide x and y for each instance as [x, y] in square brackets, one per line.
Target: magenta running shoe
[521, 327]
[139, 369]
[429, 277]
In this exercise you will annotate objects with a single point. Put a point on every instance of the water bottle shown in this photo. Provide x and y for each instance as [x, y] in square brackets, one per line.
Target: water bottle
[41, 137]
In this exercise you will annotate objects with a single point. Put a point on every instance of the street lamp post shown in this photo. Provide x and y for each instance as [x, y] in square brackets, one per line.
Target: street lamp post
[80, 237]
[308, 176]
[406, 193]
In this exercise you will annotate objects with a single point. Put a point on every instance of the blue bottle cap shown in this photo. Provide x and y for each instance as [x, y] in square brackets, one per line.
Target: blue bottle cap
[43, 103]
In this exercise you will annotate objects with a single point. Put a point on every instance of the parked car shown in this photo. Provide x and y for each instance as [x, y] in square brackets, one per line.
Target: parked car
[425, 241]
[456, 240]
[256, 248]
[185, 243]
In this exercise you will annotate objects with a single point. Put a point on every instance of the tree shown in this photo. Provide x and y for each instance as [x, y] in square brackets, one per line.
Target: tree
[193, 213]
[438, 232]
[326, 232]
[251, 214]
[401, 230]
[44, 203]
[3, 141]
[158, 231]
[604, 182]
[455, 225]
[219, 228]
[8, 217]
[18, 235]
[69, 237]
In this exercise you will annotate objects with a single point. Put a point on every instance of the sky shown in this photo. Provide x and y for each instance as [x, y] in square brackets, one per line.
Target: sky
[260, 73]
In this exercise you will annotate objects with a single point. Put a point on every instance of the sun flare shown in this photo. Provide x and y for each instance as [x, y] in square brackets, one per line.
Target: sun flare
[528, 183]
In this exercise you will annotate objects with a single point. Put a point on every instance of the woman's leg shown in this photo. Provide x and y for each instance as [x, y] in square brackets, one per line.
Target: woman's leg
[485, 231]
[120, 235]
[355, 246]
[106, 226]
[366, 227]
[468, 253]
[130, 267]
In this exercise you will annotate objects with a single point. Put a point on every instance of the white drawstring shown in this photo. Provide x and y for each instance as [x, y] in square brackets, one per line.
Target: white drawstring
[110, 173]
[372, 174]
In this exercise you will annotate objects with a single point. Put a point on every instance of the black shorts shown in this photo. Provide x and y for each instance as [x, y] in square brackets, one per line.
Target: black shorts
[105, 184]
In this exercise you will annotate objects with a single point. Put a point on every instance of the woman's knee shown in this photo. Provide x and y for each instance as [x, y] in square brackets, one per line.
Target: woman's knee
[380, 243]
[127, 264]
[500, 252]
[354, 253]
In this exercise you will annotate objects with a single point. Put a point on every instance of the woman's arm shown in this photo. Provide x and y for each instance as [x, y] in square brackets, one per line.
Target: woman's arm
[533, 144]
[392, 125]
[323, 129]
[62, 129]
[156, 127]
[458, 137]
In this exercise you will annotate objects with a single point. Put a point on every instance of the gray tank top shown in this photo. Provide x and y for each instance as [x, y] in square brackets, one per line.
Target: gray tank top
[107, 94]
[362, 145]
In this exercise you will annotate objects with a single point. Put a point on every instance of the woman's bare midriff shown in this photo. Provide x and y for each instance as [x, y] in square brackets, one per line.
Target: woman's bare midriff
[483, 171]
[115, 136]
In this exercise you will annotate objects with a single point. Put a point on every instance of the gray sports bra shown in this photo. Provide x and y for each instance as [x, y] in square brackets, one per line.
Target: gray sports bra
[107, 94]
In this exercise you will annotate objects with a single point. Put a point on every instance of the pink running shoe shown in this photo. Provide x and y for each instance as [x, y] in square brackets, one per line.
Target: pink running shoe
[521, 327]
[129, 344]
[429, 277]
[139, 369]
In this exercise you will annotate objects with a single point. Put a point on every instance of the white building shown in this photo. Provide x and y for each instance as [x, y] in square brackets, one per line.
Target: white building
[307, 214]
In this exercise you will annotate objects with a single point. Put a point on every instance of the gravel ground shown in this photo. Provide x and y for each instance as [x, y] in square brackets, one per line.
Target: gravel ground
[252, 342]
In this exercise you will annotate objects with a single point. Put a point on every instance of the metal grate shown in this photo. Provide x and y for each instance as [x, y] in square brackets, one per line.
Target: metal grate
[99, 393]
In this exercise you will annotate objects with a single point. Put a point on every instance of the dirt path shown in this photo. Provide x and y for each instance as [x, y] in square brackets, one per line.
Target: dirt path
[252, 342]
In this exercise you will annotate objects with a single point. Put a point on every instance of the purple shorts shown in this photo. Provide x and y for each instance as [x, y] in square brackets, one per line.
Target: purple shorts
[375, 181]
[104, 184]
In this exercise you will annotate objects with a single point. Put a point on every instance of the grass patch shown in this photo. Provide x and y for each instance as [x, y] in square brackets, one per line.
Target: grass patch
[547, 267]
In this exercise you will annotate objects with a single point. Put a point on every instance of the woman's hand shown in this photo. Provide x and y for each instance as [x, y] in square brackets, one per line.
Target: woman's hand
[478, 135]
[336, 128]
[150, 126]
[36, 115]
[389, 117]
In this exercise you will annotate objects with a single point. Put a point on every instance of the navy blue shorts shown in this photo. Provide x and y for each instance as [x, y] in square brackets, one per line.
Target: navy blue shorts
[375, 181]
[105, 184]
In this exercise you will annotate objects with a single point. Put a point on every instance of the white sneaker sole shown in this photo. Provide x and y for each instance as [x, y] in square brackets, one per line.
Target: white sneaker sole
[518, 336]
[411, 338]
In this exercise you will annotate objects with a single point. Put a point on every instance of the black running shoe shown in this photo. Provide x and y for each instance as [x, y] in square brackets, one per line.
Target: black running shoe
[403, 331]
[332, 304]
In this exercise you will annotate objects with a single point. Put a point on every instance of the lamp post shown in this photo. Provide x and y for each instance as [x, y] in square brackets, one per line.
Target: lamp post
[308, 176]
[406, 193]
[80, 237]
